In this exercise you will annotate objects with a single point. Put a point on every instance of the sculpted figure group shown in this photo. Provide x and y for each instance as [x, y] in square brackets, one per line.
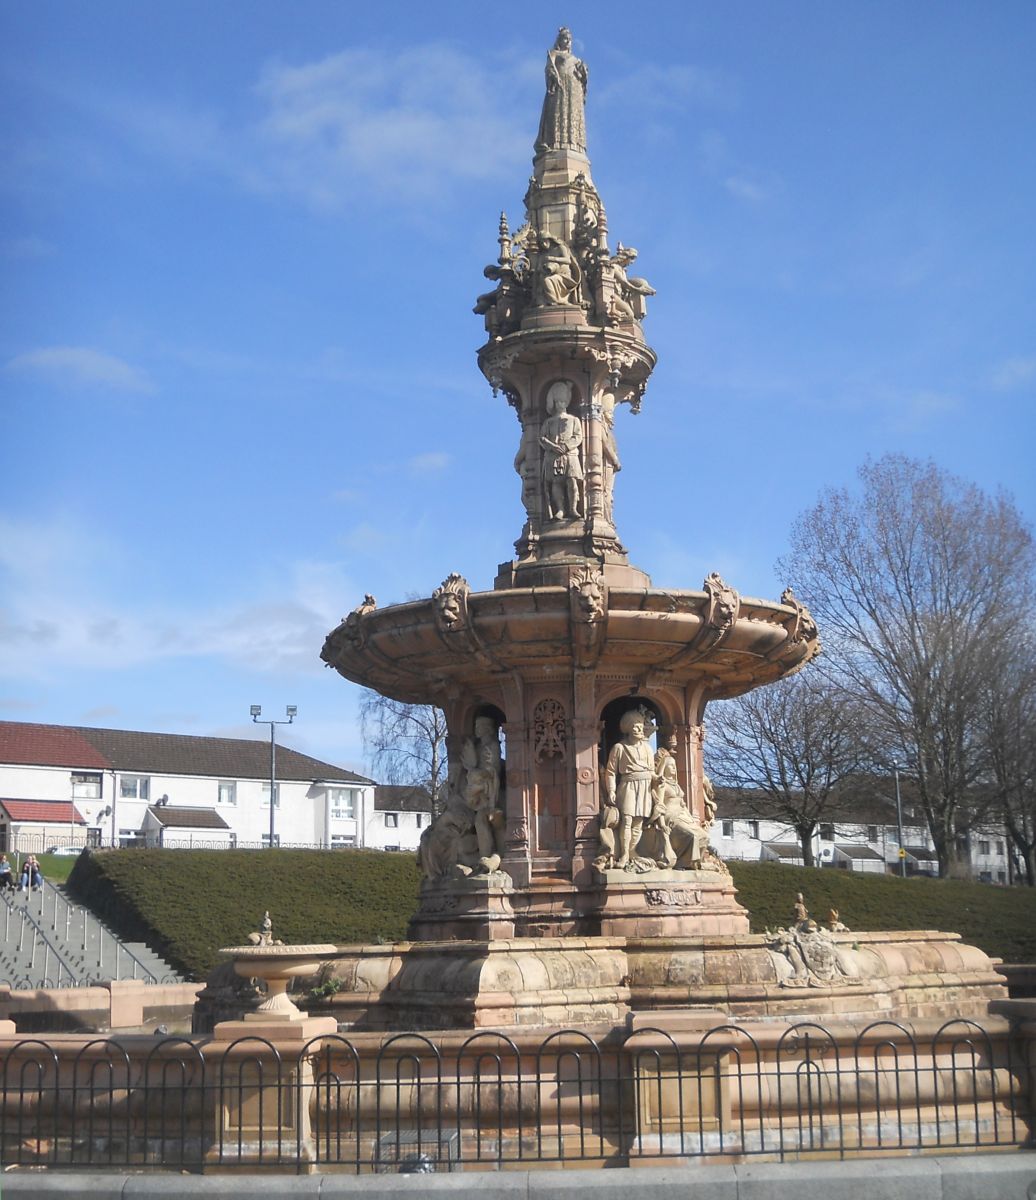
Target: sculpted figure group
[645, 820]
[815, 958]
[466, 838]
[542, 265]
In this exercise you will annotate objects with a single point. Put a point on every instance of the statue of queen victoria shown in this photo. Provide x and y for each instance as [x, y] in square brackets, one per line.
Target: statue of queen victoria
[563, 122]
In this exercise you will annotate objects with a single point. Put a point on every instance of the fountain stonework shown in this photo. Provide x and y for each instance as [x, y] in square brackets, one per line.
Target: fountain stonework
[570, 878]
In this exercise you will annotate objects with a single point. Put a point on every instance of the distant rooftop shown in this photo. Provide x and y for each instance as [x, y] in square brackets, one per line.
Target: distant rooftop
[391, 797]
[49, 811]
[187, 818]
[158, 754]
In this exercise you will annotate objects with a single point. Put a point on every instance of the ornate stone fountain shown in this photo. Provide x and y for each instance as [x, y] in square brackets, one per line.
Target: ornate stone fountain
[276, 965]
[571, 853]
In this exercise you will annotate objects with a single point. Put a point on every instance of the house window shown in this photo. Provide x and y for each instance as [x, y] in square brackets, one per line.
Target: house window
[827, 833]
[343, 804]
[419, 817]
[266, 840]
[276, 796]
[753, 829]
[983, 847]
[227, 793]
[86, 785]
[342, 841]
[391, 821]
[233, 840]
[134, 787]
[728, 829]
[872, 833]
[1000, 849]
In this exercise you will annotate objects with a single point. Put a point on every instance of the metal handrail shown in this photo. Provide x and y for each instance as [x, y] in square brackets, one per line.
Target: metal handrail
[39, 934]
[103, 933]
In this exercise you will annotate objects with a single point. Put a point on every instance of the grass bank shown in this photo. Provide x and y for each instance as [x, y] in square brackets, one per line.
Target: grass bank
[188, 903]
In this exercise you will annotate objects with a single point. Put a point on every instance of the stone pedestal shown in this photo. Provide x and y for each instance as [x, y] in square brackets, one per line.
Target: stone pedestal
[682, 1083]
[500, 984]
[667, 904]
[261, 1111]
[474, 907]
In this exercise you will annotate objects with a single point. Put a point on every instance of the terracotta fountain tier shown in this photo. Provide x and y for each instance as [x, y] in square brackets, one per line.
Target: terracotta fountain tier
[572, 854]
[554, 669]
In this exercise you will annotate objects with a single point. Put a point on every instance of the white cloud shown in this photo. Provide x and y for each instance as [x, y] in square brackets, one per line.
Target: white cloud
[420, 118]
[46, 629]
[365, 538]
[410, 124]
[79, 366]
[670, 87]
[741, 180]
[1013, 373]
[102, 712]
[430, 463]
[916, 411]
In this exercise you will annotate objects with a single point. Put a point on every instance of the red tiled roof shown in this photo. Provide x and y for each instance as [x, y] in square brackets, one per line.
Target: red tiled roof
[51, 811]
[160, 753]
[47, 745]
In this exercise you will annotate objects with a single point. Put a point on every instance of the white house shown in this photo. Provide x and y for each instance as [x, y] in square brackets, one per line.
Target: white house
[73, 786]
[862, 836]
[398, 818]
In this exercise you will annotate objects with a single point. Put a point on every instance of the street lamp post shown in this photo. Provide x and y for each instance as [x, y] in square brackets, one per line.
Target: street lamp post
[256, 712]
[899, 823]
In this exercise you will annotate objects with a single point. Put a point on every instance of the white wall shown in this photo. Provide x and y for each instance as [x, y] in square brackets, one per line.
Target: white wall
[304, 815]
[404, 836]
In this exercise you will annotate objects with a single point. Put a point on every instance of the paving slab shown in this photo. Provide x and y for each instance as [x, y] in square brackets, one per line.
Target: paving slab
[876, 1179]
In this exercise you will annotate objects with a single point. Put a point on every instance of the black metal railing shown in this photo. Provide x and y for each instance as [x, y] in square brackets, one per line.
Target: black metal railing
[414, 1103]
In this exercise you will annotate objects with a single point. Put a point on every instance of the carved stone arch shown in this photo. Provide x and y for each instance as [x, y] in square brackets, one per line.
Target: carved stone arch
[668, 702]
[613, 712]
[576, 399]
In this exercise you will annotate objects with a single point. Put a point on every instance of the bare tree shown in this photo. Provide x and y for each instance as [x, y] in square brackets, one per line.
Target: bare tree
[920, 583]
[787, 748]
[406, 743]
[1009, 728]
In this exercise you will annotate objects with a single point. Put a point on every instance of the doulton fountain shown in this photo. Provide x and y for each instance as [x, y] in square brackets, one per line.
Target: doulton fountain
[580, 985]
[569, 877]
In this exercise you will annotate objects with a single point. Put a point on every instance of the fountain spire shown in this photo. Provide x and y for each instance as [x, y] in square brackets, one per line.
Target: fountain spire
[566, 347]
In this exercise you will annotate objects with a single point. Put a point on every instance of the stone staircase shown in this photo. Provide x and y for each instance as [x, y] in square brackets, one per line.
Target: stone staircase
[47, 941]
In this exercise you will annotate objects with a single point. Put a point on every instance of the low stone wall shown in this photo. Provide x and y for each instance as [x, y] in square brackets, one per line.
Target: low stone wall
[898, 975]
[119, 1006]
[665, 1087]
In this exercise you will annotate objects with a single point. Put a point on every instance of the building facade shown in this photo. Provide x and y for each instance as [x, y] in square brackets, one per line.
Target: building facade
[75, 786]
[398, 818]
[863, 837]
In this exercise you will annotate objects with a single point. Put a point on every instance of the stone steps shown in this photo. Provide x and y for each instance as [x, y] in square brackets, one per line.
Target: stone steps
[46, 940]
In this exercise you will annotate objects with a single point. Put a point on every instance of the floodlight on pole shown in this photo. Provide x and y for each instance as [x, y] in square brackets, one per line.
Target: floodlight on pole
[899, 822]
[290, 712]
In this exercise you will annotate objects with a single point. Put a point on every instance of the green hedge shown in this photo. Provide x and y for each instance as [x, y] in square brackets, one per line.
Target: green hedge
[1002, 921]
[188, 903]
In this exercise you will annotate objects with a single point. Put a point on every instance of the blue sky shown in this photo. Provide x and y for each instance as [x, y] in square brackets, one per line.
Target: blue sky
[239, 245]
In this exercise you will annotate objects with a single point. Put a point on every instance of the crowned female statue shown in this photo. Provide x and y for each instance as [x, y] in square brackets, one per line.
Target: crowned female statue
[563, 123]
